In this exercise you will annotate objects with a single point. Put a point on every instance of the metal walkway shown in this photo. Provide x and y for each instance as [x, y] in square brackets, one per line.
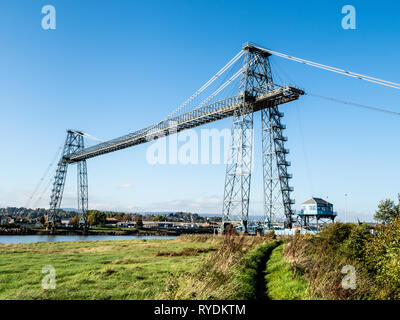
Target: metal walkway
[200, 116]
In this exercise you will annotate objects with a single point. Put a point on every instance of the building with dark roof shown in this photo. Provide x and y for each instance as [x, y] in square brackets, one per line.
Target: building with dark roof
[316, 211]
[317, 206]
[317, 200]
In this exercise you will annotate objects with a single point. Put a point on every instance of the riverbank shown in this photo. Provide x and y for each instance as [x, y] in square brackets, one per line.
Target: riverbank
[72, 238]
[104, 231]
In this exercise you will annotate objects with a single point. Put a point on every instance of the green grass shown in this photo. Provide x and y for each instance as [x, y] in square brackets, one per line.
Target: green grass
[251, 279]
[125, 269]
[234, 272]
[280, 285]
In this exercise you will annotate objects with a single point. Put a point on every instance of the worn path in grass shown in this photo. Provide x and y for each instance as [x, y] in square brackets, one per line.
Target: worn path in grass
[279, 282]
[123, 269]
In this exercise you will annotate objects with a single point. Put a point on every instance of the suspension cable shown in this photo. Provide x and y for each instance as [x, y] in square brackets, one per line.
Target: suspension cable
[89, 136]
[205, 86]
[336, 70]
[219, 73]
[355, 104]
[224, 85]
[56, 156]
[47, 186]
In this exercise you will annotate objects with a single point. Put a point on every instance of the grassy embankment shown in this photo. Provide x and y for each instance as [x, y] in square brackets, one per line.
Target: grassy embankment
[126, 269]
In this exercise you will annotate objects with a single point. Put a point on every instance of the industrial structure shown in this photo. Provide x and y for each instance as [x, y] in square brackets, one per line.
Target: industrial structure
[256, 92]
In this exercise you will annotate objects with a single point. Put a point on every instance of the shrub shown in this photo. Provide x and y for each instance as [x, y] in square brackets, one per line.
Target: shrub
[383, 259]
[321, 258]
[356, 243]
[336, 234]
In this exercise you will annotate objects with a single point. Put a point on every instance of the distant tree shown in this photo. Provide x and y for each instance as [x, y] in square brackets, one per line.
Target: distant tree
[398, 204]
[139, 222]
[387, 211]
[96, 218]
[126, 217]
[75, 221]
[91, 220]
[119, 216]
[159, 218]
[42, 220]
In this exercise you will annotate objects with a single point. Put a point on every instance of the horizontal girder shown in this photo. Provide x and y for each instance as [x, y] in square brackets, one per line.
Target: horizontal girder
[197, 117]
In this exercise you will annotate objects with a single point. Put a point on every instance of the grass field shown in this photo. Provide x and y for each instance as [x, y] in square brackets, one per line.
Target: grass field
[126, 269]
[280, 285]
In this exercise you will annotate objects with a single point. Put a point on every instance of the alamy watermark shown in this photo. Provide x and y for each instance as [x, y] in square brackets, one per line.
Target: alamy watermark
[49, 280]
[349, 20]
[350, 278]
[49, 20]
[211, 146]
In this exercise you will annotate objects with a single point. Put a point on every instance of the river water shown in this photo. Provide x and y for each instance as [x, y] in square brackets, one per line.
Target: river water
[59, 238]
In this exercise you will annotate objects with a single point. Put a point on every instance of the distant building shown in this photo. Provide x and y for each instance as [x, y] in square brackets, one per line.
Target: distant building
[66, 222]
[111, 222]
[126, 224]
[149, 224]
[315, 212]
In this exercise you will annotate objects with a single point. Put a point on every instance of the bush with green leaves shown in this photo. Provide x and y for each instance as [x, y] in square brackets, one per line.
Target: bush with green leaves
[321, 257]
[356, 242]
[383, 259]
[376, 259]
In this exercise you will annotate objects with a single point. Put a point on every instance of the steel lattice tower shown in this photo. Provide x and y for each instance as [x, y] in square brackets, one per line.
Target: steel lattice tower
[256, 81]
[73, 143]
[277, 201]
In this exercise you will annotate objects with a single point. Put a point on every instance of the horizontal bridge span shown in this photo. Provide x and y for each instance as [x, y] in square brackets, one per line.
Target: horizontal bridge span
[197, 117]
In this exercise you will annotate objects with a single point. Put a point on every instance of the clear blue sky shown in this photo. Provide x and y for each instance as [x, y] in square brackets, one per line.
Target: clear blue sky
[112, 67]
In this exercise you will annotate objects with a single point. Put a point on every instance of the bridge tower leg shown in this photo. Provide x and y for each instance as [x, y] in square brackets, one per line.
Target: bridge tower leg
[82, 191]
[73, 143]
[277, 201]
[255, 80]
[238, 171]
